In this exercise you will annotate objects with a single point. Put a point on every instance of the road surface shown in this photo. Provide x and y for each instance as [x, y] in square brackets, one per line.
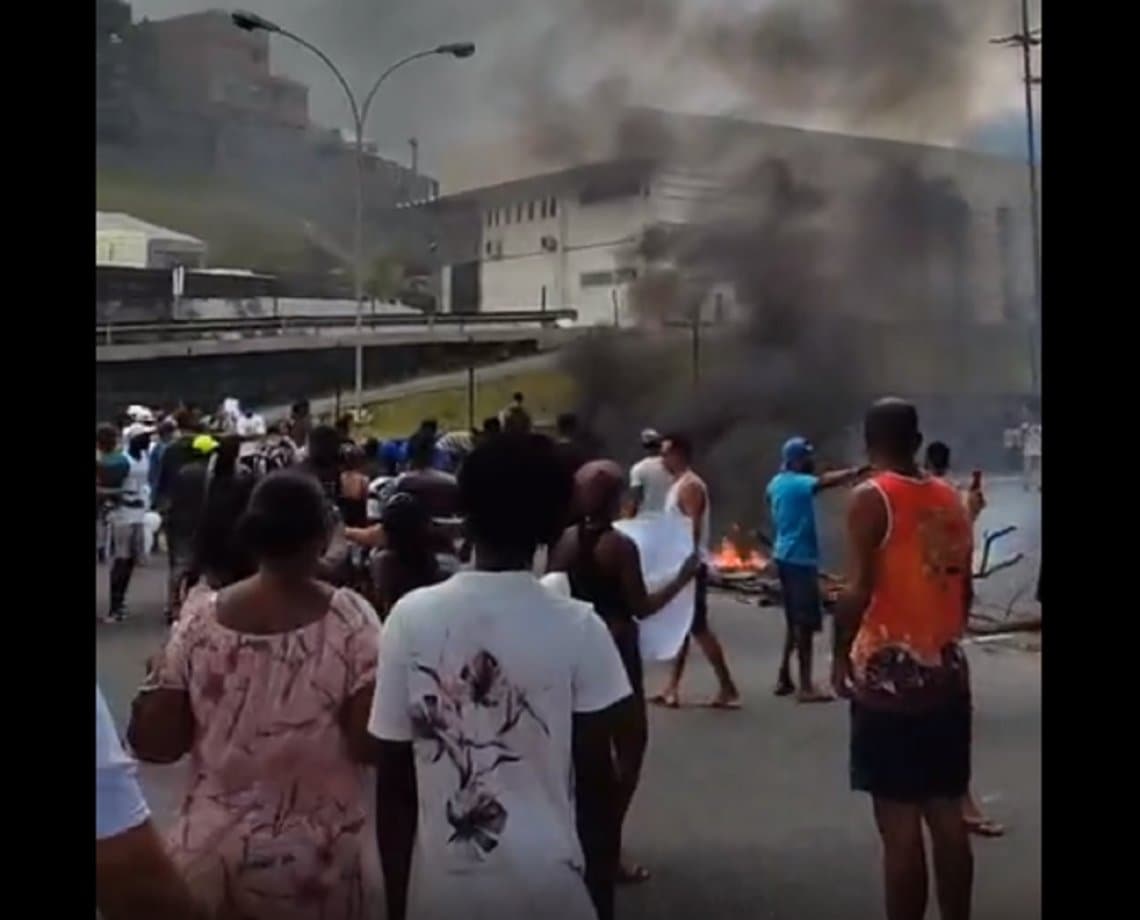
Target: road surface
[748, 814]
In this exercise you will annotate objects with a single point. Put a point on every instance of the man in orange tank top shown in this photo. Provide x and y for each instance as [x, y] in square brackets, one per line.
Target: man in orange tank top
[898, 657]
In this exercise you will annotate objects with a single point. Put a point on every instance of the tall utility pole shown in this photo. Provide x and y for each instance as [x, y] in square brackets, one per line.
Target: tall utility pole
[415, 145]
[1027, 39]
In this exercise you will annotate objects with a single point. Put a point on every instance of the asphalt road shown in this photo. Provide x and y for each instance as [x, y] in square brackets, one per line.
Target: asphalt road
[748, 814]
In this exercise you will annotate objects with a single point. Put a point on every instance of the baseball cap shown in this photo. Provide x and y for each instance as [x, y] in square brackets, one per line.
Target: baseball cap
[204, 444]
[135, 429]
[796, 449]
[649, 437]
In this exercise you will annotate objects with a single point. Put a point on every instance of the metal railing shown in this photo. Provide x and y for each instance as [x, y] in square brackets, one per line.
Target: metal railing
[251, 327]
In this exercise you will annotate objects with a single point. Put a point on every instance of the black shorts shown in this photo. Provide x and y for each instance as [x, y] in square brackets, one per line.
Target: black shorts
[803, 605]
[700, 603]
[911, 756]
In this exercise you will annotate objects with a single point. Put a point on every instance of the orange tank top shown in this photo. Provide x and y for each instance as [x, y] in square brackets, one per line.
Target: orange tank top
[906, 651]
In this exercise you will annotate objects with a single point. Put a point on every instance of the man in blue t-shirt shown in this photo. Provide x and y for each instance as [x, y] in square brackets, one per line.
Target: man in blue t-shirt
[791, 502]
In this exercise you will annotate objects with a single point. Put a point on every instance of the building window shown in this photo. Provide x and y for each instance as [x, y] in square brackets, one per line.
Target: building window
[542, 209]
[625, 274]
[490, 216]
[553, 207]
[490, 247]
[596, 279]
[530, 210]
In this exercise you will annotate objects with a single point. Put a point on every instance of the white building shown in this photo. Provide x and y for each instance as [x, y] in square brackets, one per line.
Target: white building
[569, 237]
[126, 241]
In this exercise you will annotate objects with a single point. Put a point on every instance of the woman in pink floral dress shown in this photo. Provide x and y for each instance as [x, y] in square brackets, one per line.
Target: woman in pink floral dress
[267, 685]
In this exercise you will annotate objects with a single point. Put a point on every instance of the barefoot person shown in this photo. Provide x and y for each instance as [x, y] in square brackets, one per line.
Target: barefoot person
[938, 465]
[604, 569]
[690, 496]
[900, 620]
[791, 503]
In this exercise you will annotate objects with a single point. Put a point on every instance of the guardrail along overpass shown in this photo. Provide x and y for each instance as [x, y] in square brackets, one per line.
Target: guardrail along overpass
[272, 360]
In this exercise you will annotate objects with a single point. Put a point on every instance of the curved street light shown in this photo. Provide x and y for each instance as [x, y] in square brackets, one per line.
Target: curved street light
[251, 22]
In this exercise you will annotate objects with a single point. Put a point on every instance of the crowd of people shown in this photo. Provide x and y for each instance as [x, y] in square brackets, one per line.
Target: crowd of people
[337, 606]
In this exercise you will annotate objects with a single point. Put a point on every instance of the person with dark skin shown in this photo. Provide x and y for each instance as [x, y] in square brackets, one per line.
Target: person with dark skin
[545, 671]
[126, 518]
[267, 684]
[515, 419]
[134, 877]
[570, 448]
[491, 427]
[791, 502]
[111, 468]
[325, 462]
[604, 569]
[690, 496]
[300, 422]
[221, 489]
[437, 491]
[898, 656]
[408, 560]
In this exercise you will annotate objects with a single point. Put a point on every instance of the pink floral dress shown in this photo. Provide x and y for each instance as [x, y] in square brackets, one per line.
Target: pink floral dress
[275, 821]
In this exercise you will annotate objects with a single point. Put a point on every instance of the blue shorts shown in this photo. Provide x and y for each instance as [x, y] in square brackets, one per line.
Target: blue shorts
[803, 605]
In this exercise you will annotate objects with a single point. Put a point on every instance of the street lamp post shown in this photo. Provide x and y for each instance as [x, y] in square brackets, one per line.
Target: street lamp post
[251, 22]
[1026, 39]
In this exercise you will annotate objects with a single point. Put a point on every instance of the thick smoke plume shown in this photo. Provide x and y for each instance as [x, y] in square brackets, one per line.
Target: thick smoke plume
[802, 246]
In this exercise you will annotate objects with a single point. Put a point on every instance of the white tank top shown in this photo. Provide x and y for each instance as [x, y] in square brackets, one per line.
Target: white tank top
[654, 481]
[672, 505]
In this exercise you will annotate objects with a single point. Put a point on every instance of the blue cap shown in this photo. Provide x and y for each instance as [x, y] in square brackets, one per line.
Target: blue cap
[796, 449]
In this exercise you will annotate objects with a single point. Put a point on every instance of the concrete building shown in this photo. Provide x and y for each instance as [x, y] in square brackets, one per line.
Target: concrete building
[125, 241]
[955, 222]
[202, 62]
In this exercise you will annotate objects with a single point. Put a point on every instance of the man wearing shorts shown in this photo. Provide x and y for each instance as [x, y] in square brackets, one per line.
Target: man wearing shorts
[690, 496]
[791, 503]
[898, 655]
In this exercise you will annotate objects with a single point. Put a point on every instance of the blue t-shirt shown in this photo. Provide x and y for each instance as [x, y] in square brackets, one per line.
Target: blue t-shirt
[791, 498]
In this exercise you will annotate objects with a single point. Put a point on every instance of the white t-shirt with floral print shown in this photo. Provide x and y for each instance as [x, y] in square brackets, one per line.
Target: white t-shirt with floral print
[484, 673]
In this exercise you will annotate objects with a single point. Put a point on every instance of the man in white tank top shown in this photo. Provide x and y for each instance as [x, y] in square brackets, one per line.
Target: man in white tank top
[649, 481]
[689, 496]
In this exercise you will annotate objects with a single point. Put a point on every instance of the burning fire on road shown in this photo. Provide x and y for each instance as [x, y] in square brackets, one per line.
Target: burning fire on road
[736, 557]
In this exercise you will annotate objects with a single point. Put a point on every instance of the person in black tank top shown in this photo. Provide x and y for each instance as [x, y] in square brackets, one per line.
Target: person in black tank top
[604, 568]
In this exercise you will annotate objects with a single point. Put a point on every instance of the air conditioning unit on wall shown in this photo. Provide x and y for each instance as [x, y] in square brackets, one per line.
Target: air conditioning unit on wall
[549, 244]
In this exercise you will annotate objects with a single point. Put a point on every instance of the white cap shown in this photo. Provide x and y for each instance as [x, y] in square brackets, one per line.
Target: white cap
[135, 429]
[649, 437]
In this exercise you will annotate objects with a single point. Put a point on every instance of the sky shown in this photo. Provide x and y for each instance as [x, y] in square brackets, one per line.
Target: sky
[531, 50]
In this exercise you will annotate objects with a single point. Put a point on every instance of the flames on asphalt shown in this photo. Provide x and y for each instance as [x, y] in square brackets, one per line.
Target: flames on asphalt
[738, 556]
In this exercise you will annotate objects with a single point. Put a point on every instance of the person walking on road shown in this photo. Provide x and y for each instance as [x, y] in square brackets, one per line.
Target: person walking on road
[689, 496]
[604, 569]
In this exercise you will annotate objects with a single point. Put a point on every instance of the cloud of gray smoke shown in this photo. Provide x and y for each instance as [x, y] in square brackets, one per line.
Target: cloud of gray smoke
[803, 249]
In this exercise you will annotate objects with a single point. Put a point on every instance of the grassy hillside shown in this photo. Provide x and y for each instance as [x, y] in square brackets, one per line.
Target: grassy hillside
[240, 233]
[547, 393]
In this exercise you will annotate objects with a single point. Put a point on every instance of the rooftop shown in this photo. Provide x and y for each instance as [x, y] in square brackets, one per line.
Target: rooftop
[117, 221]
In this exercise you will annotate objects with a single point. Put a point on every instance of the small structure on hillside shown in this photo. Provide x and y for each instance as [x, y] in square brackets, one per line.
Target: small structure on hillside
[125, 241]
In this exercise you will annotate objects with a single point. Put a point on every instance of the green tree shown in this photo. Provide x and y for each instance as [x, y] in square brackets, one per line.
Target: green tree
[385, 278]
